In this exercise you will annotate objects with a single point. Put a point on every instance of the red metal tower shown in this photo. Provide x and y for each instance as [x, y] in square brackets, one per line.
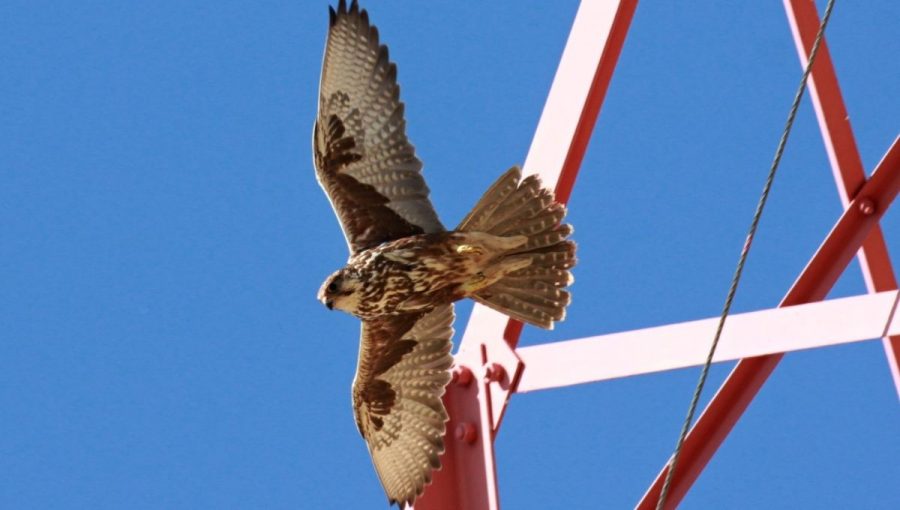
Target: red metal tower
[490, 368]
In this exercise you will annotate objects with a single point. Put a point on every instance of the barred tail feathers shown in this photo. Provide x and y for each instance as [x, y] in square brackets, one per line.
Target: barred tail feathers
[535, 293]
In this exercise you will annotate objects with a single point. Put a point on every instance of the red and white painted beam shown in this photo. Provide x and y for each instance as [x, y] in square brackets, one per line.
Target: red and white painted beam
[478, 397]
[686, 344]
[750, 374]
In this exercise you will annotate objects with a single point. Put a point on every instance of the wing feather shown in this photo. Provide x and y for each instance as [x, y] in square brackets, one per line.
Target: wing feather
[404, 364]
[364, 161]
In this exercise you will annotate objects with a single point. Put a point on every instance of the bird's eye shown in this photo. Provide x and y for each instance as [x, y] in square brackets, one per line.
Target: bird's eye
[332, 287]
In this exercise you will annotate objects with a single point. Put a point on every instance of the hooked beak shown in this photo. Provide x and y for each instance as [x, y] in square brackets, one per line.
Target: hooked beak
[329, 304]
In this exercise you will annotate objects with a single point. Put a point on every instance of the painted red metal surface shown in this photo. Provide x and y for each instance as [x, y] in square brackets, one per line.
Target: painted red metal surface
[750, 374]
[859, 222]
[686, 344]
[566, 124]
[489, 366]
[681, 345]
[468, 477]
[843, 154]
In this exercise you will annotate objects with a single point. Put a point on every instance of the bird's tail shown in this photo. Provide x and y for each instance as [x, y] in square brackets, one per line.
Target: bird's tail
[535, 291]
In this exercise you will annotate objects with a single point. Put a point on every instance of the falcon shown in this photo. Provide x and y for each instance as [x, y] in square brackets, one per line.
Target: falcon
[510, 253]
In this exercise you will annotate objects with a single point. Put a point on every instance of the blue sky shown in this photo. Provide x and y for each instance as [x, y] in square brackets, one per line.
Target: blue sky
[163, 238]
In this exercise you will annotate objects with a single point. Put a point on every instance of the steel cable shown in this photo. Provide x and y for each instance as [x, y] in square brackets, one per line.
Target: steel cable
[743, 258]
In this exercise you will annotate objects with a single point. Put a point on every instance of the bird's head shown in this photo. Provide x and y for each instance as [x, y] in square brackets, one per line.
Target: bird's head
[341, 291]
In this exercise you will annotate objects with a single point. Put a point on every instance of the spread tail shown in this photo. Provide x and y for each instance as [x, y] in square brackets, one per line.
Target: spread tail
[534, 292]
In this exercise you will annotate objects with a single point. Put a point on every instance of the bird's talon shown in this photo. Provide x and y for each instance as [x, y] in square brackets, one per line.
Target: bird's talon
[465, 249]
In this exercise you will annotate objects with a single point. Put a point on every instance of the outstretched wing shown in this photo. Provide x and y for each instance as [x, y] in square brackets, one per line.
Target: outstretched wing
[403, 369]
[364, 162]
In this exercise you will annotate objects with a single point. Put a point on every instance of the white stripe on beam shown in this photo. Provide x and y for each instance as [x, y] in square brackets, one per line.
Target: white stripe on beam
[686, 344]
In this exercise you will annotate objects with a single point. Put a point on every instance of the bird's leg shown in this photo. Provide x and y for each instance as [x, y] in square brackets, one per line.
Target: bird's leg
[469, 249]
[480, 251]
[493, 273]
[477, 282]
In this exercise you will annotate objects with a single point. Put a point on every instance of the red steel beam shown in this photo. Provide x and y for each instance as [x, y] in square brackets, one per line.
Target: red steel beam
[846, 164]
[750, 374]
[860, 219]
[557, 150]
[468, 478]
[686, 344]
[623, 354]
[566, 124]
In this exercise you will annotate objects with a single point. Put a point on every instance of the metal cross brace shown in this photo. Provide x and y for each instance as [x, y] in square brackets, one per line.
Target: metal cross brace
[490, 368]
[468, 479]
[749, 375]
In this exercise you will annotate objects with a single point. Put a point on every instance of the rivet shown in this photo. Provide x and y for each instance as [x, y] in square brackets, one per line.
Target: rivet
[461, 376]
[494, 373]
[466, 432]
[866, 206]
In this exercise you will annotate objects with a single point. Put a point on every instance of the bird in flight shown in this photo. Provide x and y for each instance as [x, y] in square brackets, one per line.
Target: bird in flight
[510, 253]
